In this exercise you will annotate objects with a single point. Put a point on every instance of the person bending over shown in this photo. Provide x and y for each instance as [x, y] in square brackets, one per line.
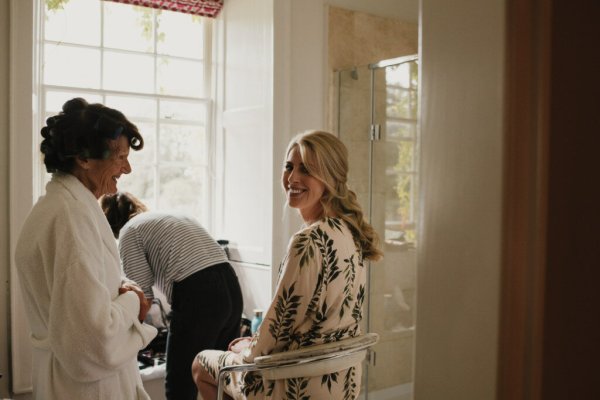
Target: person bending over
[173, 252]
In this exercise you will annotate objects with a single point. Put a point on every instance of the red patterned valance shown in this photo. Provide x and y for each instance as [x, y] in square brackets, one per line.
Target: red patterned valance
[206, 8]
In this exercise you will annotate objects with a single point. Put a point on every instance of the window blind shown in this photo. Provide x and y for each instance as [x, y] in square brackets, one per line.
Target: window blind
[205, 8]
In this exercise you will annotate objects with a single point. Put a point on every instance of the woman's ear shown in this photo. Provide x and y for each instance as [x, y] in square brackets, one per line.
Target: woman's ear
[83, 163]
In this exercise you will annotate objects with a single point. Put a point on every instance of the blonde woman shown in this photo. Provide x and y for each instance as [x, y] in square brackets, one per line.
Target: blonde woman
[321, 287]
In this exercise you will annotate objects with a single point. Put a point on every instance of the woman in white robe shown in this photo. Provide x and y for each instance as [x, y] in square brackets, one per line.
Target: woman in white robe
[84, 317]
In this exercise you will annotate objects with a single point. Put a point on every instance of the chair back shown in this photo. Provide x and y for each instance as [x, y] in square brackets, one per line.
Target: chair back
[308, 361]
[316, 360]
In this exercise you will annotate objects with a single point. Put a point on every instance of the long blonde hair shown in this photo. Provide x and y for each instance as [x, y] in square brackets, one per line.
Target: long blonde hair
[326, 158]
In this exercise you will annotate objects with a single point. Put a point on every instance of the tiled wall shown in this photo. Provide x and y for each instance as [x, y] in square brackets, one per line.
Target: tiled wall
[356, 40]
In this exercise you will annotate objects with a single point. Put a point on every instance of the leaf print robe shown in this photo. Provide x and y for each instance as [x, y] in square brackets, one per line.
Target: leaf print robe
[318, 299]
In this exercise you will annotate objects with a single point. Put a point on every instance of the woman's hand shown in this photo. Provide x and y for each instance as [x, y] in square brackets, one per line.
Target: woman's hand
[144, 302]
[239, 344]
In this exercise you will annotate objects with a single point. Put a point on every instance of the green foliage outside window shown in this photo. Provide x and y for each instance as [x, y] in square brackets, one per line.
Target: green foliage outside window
[401, 113]
[53, 5]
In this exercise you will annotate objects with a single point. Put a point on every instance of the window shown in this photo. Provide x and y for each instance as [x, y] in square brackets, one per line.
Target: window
[241, 150]
[154, 66]
[401, 127]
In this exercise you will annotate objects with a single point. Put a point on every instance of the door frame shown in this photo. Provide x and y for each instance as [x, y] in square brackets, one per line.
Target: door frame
[525, 199]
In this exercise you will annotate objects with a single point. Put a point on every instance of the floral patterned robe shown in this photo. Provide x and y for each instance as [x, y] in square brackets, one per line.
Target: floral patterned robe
[318, 299]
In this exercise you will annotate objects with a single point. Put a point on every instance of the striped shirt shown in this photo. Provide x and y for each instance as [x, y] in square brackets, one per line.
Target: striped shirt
[159, 249]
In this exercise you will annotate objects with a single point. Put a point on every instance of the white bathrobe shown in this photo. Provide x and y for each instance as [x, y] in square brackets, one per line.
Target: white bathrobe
[85, 335]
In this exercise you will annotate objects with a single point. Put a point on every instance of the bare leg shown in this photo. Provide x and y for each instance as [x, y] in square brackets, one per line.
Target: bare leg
[207, 386]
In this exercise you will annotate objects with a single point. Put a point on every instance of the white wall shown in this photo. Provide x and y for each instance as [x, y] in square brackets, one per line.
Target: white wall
[299, 97]
[462, 60]
[22, 175]
[255, 281]
[244, 104]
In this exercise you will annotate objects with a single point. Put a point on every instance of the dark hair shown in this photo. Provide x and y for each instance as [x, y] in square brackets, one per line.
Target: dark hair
[84, 130]
[119, 208]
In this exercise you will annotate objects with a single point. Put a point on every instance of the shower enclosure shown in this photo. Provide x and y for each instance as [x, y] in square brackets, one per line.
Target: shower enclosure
[377, 109]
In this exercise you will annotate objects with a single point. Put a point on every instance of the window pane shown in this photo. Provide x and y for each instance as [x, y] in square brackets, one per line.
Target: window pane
[140, 183]
[133, 107]
[399, 130]
[399, 75]
[182, 143]
[399, 103]
[182, 111]
[78, 21]
[180, 77]
[404, 156]
[180, 34]
[71, 66]
[128, 28]
[182, 188]
[146, 157]
[56, 99]
[399, 209]
[414, 104]
[171, 170]
[128, 72]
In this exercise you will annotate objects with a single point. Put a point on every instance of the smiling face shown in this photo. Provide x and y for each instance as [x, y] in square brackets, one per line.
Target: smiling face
[302, 190]
[100, 176]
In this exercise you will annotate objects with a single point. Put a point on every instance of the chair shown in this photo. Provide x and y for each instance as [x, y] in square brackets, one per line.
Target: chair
[306, 362]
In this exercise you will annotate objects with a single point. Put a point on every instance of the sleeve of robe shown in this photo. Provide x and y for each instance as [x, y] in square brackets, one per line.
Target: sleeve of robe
[93, 331]
[296, 301]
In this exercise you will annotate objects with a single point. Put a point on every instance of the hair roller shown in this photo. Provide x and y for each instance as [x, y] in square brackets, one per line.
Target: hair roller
[75, 105]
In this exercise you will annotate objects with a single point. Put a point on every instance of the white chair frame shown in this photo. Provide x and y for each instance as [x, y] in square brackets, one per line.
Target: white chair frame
[309, 361]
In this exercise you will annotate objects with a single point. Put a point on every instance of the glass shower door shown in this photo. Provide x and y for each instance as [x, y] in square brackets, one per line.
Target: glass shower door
[378, 123]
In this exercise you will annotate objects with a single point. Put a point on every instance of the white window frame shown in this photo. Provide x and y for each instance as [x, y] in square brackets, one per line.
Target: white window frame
[413, 141]
[23, 177]
[205, 98]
